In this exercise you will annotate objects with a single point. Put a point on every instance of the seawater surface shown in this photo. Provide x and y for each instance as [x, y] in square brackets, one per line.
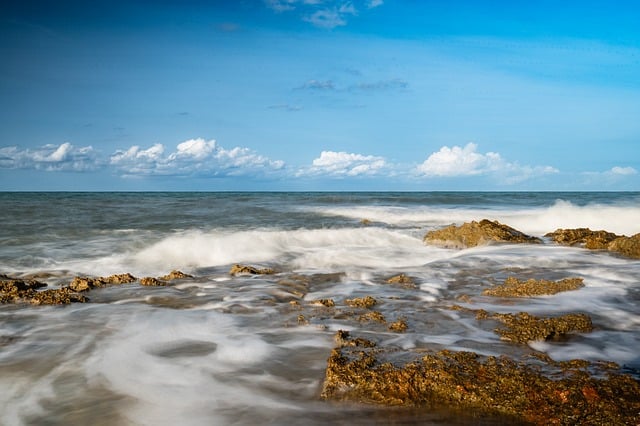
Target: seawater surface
[221, 350]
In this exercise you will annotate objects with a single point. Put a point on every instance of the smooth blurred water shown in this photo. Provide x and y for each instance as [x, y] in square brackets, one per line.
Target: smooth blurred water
[218, 349]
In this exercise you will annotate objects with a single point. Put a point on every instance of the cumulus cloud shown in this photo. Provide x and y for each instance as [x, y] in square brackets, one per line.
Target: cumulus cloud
[63, 157]
[318, 85]
[193, 157]
[467, 161]
[345, 164]
[623, 171]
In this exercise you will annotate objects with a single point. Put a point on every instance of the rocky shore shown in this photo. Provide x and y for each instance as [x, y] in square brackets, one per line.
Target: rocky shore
[364, 367]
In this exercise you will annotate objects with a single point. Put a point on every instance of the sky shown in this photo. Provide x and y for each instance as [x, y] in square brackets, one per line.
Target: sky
[319, 95]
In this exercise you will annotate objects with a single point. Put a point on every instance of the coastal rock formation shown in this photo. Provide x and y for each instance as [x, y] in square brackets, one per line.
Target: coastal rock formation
[594, 240]
[474, 233]
[524, 327]
[626, 246]
[403, 280]
[151, 282]
[598, 240]
[19, 291]
[175, 275]
[360, 371]
[250, 270]
[513, 287]
[86, 283]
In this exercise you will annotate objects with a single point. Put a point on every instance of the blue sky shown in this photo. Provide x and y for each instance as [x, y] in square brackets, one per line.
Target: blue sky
[320, 95]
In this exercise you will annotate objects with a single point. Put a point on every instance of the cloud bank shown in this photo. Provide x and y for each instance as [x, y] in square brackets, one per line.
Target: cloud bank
[326, 14]
[63, 157]
[341, 164]
[193, 157]
[467, 161]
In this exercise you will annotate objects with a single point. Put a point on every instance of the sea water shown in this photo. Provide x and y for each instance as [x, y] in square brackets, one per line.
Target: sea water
[219, 350]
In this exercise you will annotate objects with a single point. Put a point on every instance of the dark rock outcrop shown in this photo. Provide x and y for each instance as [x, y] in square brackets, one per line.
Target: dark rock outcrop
[594, 240]
[87, 283]
[250, 270]
[472, 234]
[19, 291]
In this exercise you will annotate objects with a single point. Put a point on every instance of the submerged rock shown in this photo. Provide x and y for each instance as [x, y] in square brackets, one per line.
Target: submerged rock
[399, 326]
[152, 282]
[472, 234]
[595, 240]
[361, 372]
[19, 291]
[514, 287]
[362, 302]
[250, 270]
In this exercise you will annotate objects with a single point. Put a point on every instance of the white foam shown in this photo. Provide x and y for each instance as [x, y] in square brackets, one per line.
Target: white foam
[620, 218]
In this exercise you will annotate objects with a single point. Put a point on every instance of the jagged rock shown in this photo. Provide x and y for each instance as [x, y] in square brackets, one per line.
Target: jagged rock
[362, 302]
[249, 270]
[487, 386]
[374, 316]
[513, 287]
[594, 240]
[626, 246]
[403, 280]
[399, 326]
[151, 282]
[329, 303]
[175, 275]
[524, 327]
[87, 283]
[17, 291]
[474, 233]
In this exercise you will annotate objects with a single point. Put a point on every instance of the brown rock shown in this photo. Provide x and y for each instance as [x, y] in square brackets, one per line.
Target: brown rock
[19, 291]
[175, 275]
[399, 326]
[87, 283]
[151, 282]
[594, 240]
[486, 386]
[513, 287]
[362, 302]
[403, 280]
[524, 327]
[626, 246]
[477, 233]
[249, 270]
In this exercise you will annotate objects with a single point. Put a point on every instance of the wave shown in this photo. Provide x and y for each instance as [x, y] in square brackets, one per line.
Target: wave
[299, 249]
[621, 219]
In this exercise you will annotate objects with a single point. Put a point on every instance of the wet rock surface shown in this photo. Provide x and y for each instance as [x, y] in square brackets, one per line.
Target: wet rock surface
[472, 234]
[359, 370]
[87, 283]
[19, 291]
[238, 269]
[598, 240]
[513, 287]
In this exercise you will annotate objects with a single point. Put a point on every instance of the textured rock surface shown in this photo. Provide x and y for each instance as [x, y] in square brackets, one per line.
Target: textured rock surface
[19, 291]
[626, 246]
[514, 287]
[87, 283]
[595, 240]
[360, 371]
[249, 270]
[474, 233]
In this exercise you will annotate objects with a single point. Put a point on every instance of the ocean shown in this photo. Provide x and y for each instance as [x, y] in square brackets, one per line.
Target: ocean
[218, 349]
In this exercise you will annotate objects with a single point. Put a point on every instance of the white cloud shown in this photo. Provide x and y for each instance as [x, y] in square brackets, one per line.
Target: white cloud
[467, 161]
[623, 171]
[193, 157]
[374, 3]
[63, 157]
[345, 164]
[326, 18]
[326, 14]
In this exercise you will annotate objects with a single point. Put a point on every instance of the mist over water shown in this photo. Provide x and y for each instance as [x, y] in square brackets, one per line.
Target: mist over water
[230, 350]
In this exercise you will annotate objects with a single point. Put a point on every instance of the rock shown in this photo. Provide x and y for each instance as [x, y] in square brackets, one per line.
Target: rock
[524, 327]
[399, 326]
[87, 283]
[594, 240]
[477, 233]
[484, 386]
[362, 302]
[249, 270]
[17, 291]
[402, 280]
[152, 282]
[626, 246]
[329, 303]
[175, 275]
[513, 287]
[373, 316]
